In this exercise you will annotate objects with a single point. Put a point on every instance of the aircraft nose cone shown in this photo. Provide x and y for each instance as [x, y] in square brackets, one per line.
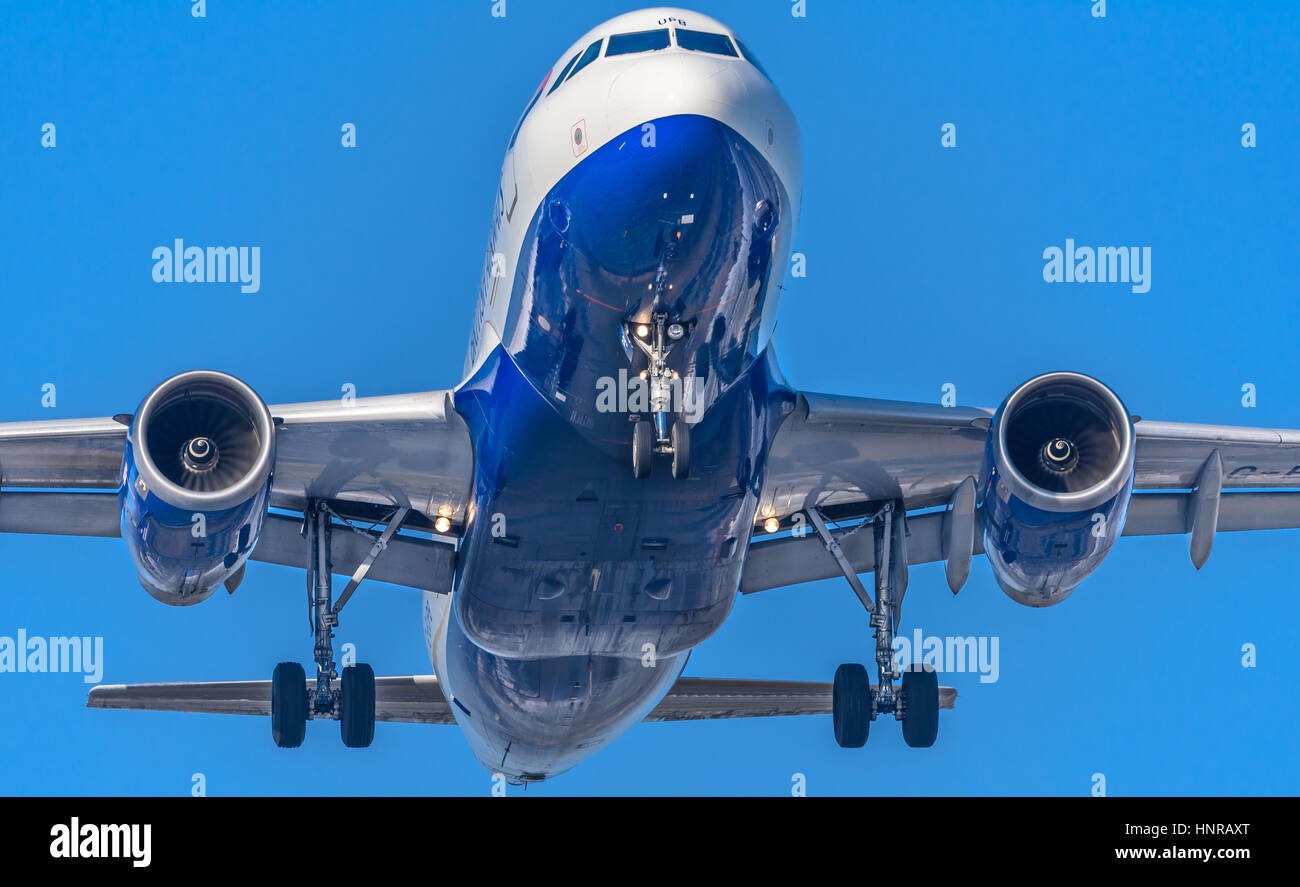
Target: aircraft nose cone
[674, 84]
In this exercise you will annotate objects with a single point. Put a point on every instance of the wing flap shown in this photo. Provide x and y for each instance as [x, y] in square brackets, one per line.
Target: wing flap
[409, 561]
[60, 514]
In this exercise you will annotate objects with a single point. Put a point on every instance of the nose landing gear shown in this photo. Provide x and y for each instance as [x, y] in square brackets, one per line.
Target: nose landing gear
[662, 433]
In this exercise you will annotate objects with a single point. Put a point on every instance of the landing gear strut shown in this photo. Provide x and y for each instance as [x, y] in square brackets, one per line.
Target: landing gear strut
[661, 434]
[855, 703]
[351, 701]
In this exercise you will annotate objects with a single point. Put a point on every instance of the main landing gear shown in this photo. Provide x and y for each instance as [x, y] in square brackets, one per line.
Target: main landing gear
[352, 700]
[855, 702]
[661, 434]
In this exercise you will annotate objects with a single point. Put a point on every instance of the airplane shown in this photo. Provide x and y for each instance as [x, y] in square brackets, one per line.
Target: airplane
[624, 456]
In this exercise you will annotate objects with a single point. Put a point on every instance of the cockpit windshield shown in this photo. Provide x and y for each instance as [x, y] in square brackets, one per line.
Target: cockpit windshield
[703, 41]
[637, 41]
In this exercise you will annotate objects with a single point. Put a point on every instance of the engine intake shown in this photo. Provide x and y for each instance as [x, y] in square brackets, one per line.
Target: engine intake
[1058, 475]
[196, 483]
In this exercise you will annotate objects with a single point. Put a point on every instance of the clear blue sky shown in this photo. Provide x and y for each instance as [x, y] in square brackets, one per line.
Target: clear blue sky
[924, 267]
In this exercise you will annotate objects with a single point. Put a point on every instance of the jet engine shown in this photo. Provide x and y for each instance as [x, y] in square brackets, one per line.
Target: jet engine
[1057, 479]
[196, 484]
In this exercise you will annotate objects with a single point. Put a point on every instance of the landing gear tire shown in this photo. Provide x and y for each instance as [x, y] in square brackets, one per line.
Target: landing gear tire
[288, 705]
[642, 448]
[920, 707]
[357, 706]
[681, 440]
[851, 705]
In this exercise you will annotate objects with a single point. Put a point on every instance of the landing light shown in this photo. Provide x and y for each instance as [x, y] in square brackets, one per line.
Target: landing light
[643, 331]
[676, 331]
[442, 525]
[771, 525]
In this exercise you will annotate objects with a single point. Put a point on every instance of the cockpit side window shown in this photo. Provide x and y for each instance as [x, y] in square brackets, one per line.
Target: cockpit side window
[593, 51]
[637, 41]
[560, 78]
[752, 59]
[703, 41]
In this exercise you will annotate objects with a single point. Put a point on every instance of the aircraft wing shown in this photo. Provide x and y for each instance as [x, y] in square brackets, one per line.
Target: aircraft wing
[418, 699]
[408, 449]
[841, 454]
[366, 458]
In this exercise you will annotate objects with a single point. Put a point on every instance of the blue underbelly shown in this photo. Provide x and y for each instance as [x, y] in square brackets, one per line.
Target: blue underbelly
[571, 571]
[693, 222]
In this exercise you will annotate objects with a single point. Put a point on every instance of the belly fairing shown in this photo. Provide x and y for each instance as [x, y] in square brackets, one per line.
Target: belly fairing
[566, 553]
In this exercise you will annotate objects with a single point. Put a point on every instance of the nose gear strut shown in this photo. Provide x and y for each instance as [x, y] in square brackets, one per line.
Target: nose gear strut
[663, 433]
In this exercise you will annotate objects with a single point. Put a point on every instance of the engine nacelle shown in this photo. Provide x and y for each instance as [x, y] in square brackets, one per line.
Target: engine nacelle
[1057, 479]
[196, 483]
